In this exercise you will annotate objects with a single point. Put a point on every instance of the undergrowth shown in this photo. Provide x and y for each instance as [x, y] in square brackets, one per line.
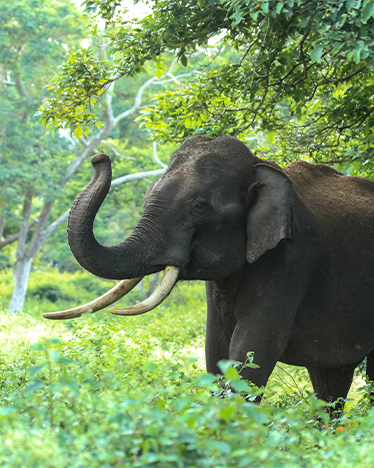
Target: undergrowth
[104, 391]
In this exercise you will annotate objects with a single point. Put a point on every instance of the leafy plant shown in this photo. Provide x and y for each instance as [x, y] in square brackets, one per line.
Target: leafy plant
[295, 75]
[132, 392]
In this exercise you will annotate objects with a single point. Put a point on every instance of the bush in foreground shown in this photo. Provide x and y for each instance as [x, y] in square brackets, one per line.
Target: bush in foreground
[105, 391]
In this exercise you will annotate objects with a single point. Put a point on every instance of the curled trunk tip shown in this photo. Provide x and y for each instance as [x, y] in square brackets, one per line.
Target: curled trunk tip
[100, 158]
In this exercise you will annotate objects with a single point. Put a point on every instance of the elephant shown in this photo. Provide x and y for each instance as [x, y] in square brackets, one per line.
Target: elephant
[286, 253]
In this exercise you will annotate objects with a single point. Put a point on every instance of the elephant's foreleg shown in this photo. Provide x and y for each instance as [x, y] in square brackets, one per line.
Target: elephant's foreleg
[332, 384]
[259, 332]
[219, 328]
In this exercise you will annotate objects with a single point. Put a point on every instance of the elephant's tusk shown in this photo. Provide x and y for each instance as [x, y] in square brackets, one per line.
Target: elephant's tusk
[163, 290]
[122, 288]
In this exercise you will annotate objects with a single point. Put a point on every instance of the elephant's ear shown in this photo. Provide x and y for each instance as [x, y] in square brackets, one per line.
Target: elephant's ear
[270, 214]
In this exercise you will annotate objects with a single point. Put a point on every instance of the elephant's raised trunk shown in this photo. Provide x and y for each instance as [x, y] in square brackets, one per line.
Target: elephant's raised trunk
[129, 259]
[125, 260]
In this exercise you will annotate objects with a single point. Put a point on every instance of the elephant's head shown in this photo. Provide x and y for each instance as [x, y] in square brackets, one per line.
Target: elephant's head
[215, 209]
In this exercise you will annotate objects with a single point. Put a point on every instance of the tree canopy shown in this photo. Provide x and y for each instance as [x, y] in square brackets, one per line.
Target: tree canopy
[299, 72]
[41, 174]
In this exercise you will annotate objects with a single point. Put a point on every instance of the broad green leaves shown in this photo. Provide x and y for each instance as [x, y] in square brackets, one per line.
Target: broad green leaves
[279, 66]
[367, 12]
[80, 83]
[33, 41]
[316, 53]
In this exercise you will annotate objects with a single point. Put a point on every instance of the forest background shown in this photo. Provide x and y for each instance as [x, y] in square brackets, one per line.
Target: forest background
[293, 79]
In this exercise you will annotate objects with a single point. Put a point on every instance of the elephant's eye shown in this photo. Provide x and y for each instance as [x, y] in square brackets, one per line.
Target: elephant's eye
[200, 205]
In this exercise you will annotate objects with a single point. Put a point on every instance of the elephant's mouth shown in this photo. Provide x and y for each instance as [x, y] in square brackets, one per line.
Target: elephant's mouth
[121, 289]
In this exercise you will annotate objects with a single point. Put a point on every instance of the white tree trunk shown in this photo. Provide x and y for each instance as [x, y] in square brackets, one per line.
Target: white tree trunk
[26, 255]
[21, 278]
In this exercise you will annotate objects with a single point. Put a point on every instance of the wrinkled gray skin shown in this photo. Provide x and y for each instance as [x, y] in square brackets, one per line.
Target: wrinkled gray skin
[287, 256]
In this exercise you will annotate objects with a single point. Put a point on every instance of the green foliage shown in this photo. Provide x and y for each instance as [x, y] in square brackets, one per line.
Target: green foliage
[298, 71]
[131, 392]
[93, 78]
[33, 39]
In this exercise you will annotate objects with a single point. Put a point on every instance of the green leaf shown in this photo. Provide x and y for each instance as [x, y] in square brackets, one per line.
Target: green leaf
[316, 53]
[237, 17]
[204, 380]
[367, 12]
[33, 370]
[279, 7]
[356, 56]
[37, 347]
[232, 374]
[150, 366]
[224, 365]
[226, 413]
[34, 386]
[271, 137]
[240, 386]
[65, 360]
[184, 60]
[265, 7]
[8, 410]
[78, 132]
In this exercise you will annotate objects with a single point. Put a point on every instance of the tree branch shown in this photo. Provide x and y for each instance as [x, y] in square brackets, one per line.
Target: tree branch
[53, 226]
[24, 228]
[341, 80]
[10, 239]
[19, 85]
[117, 153]
[2, 225]
[8, 83]
[156, 157]
[138, 175]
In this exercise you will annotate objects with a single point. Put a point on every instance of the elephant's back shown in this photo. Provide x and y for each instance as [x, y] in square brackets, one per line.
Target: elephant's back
[331, 194]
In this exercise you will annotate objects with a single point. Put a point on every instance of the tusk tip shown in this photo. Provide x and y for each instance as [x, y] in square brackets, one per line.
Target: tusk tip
[120, 311]
[162, 291]
[120, 290]
[62, 315]
[128, 311]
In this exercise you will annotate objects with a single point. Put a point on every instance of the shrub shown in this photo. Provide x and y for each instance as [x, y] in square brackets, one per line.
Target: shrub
[50, 292]
[107, 391]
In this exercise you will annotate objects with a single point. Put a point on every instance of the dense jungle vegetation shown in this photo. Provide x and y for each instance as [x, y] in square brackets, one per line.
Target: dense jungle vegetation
[293, 79]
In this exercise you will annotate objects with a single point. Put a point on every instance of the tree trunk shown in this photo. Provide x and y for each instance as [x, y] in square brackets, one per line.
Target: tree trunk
[25, 256]
[21, 277]
[24, 261]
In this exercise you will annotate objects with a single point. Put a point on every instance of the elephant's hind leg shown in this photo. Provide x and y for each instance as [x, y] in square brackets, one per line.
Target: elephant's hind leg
[332, 384]
[370, 366]
[370, 374]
